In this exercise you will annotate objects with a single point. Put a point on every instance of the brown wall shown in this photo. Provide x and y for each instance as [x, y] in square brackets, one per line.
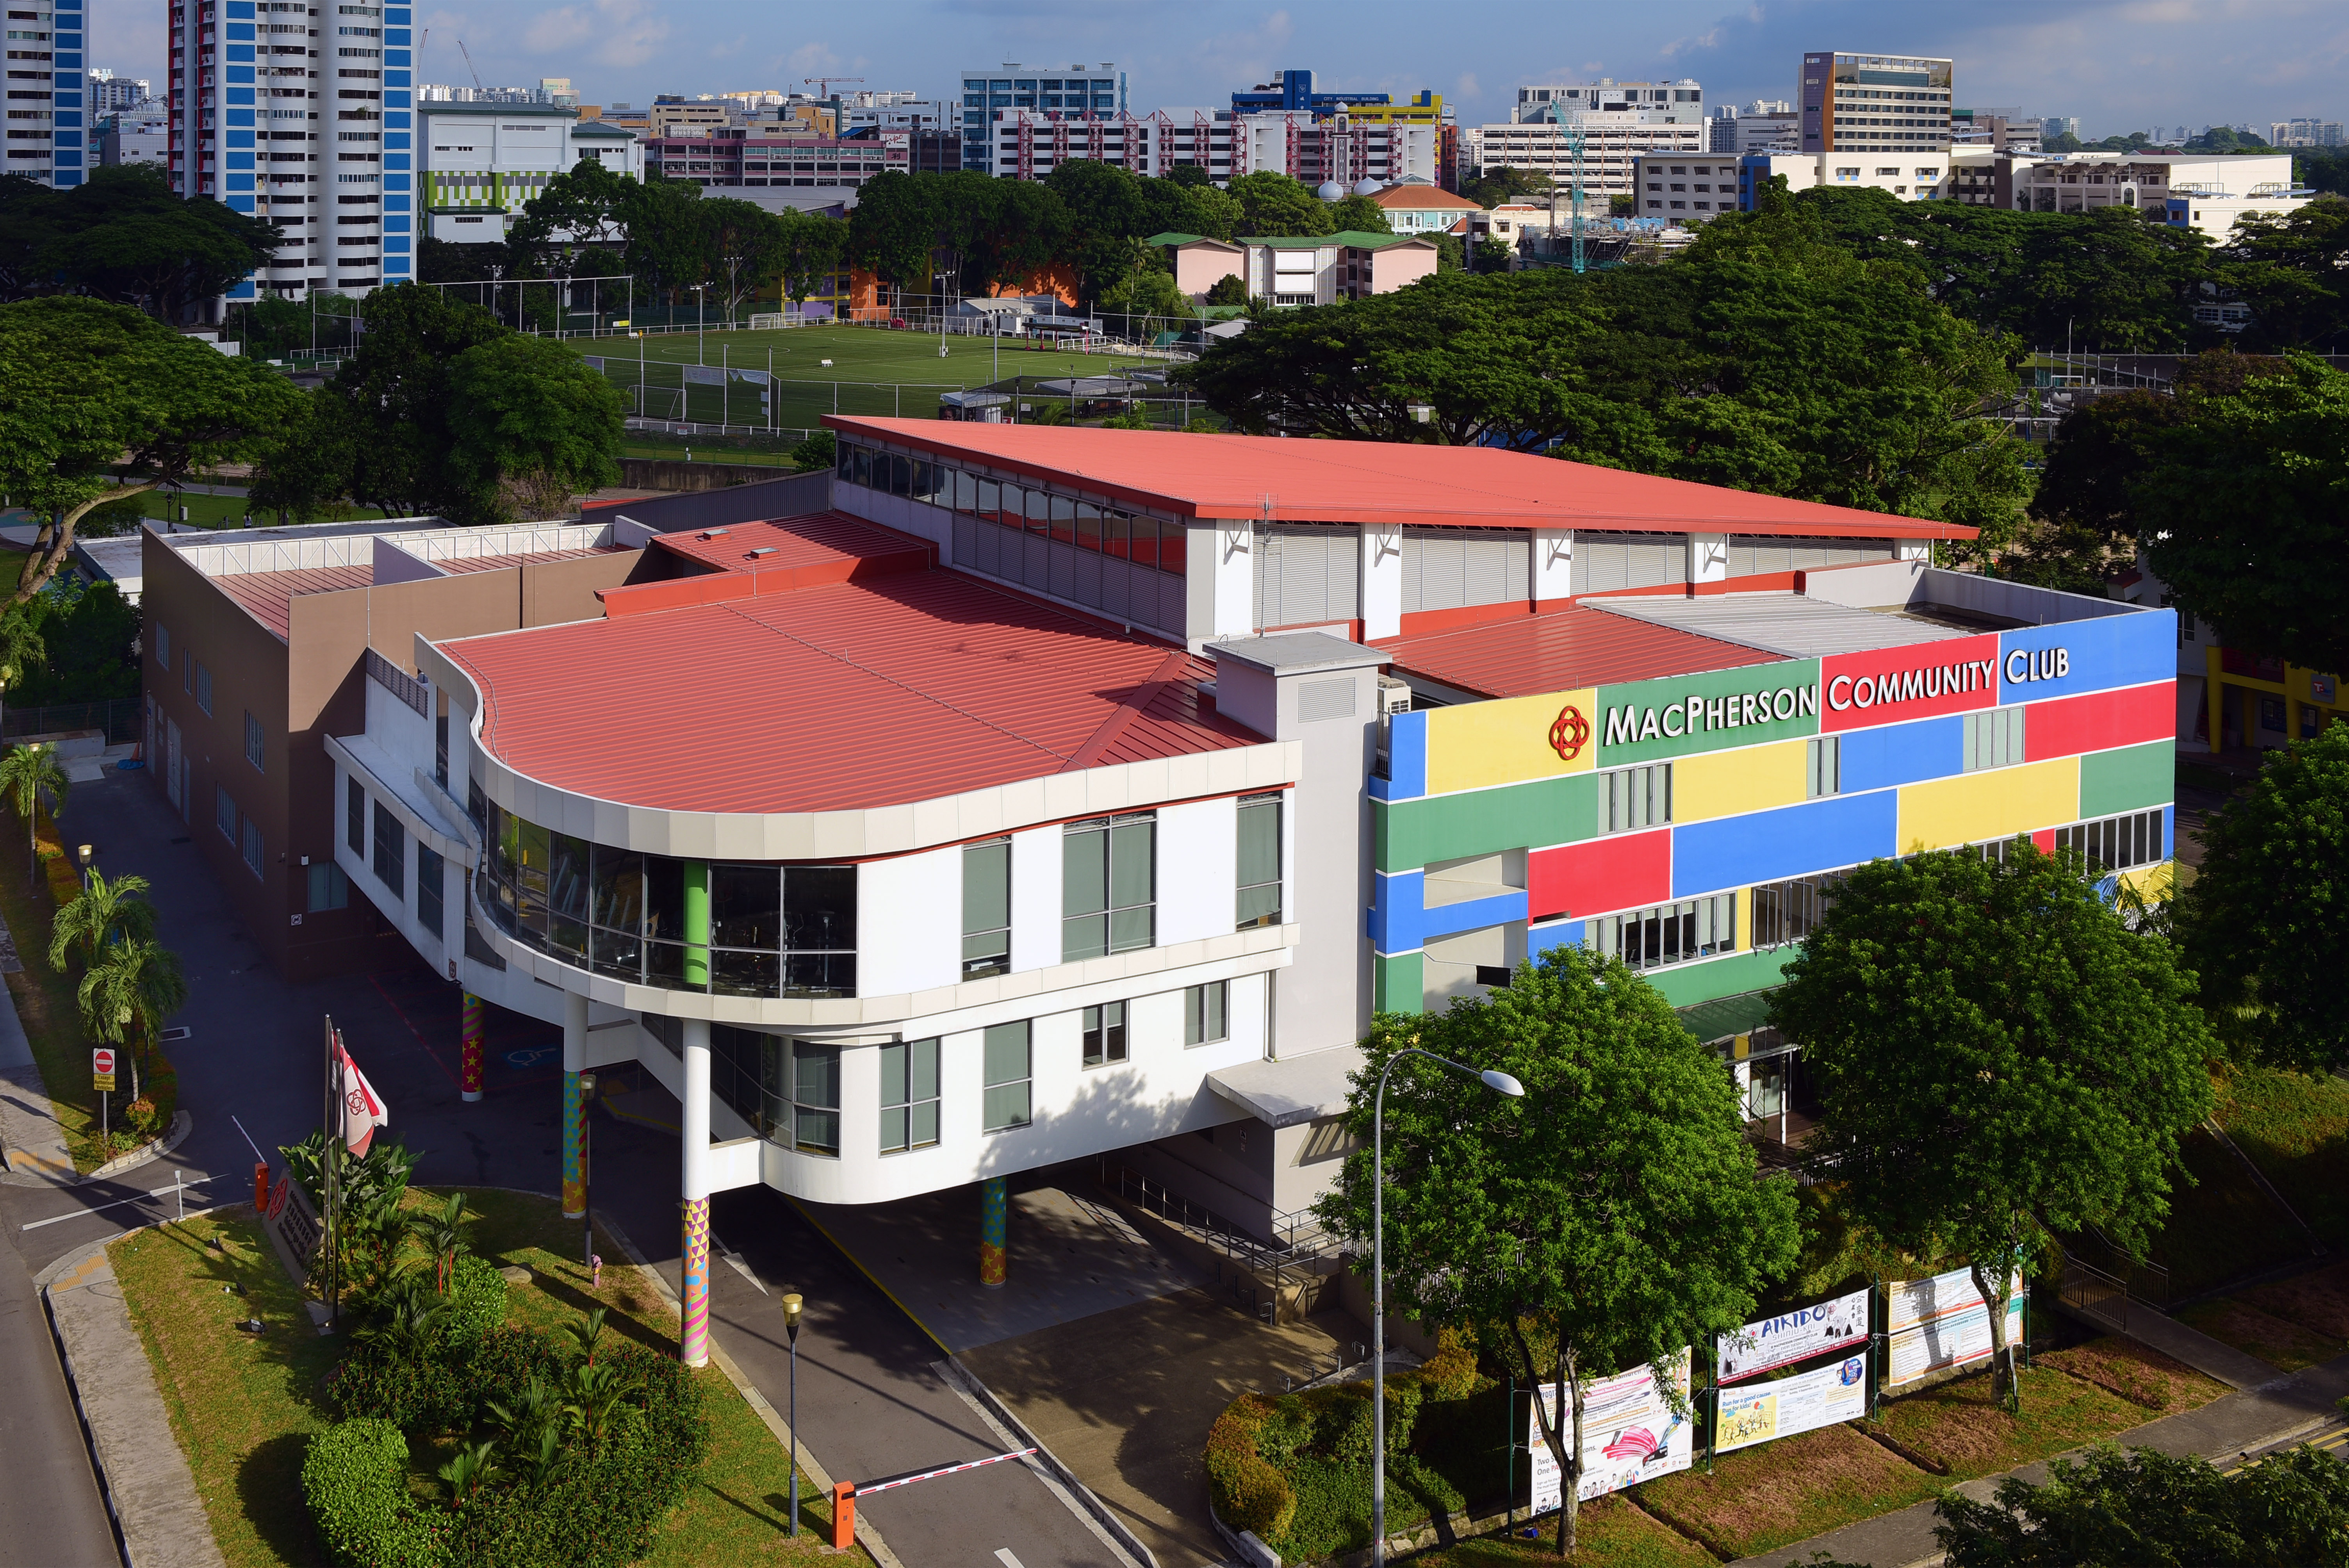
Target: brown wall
[310, 686]
[674, 474]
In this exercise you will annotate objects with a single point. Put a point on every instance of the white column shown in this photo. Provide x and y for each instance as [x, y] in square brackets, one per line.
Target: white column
[574, 1031]
[1382, 598]
[1235, 570]
[694, 1094]
[1708, 557]
[1553, 563]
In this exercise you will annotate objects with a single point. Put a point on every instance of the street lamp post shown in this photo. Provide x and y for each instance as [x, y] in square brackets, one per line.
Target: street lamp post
[700, 297]
[1500, 1083]
[586, 1209]
[792, 1305]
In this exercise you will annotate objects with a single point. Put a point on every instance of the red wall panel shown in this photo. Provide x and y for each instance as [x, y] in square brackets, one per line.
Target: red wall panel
[2099, 720]
[1866, 688]
[1623, 871]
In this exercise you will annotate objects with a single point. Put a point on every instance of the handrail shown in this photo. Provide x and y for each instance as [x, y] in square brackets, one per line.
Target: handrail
[399, 682]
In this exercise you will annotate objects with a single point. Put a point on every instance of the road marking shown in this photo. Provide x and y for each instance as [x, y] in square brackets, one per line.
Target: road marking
[1003, 1556]
[94, 1208]
[734, 1261]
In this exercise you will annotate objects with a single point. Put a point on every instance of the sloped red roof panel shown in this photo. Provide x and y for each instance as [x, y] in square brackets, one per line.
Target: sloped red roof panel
[834, 697]
[1394, 482]
[814, 539]
[1559, 651]
[268, 596]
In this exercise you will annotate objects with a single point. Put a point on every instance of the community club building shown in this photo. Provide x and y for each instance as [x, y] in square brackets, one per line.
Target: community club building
[1064, 794]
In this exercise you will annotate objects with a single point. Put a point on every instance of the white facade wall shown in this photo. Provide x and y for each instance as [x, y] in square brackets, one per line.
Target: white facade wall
[497, 155]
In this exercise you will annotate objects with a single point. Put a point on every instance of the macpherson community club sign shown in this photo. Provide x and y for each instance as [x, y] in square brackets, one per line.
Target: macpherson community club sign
[1652, 720]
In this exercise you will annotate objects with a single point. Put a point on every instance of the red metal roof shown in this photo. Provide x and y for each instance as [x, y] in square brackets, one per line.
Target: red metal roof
[268, 596]
[780, 556]
[457, 565]
[1392, 482]
[834, 697]
[1559, 651]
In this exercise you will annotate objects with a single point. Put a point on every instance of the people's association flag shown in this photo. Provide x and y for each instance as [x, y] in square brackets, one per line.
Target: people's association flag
[363, 1108]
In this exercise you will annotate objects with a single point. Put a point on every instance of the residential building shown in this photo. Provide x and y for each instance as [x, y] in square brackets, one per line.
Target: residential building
[1679, 102]
[1078, 89]
[1762, 126]
[1295, 91]
[818, 164]
[672, 117]
[543, 94]
[2305, 131]
[262, 122]
[1998, 129]
[1324, 268]
[1319, 150]
[48, 135]
[1179, 764]
[1030, 143]
[1611, 142]
[1882, 103]
[140, 135]
[483, 163]
[111, 94]
[2055, 126]
[1413, 207]
[1912, 177]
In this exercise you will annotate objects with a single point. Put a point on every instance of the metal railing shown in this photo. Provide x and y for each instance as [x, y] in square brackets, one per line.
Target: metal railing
[2106, 1272]
[2089, 1289]
[1299, 1239]
[400, 684]
[118, 716]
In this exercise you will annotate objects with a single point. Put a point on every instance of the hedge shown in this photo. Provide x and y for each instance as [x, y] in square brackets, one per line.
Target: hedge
[354, 1479]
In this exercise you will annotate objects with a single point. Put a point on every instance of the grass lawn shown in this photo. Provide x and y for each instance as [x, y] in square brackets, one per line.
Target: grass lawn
[1957, 1425]
[2295, 1128]
[2279, 1342]
[1764, 1496]
[1609, 1532]
[2318, 1302]
[2142, 1377]
[45, 1003]
[873, 372]
[243, 1407]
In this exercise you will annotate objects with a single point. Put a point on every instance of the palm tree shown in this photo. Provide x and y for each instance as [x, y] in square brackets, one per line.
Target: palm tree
[135, 987]
[29, 774]
[20, 644]
[443, 1236]
[104, 911]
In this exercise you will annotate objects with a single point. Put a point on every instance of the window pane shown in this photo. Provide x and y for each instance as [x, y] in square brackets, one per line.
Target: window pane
[1145, 534]
[664, 897]
[1133, 863]
[530, 874]
[746, 907]
[815, 1074]
[1170, 547]
[924, 1129]
[737, 974]
[1261, 843]
[1006, 1107]
[819, 907]
[1006, 1053]
[618, 900]
[893, 1075]
[820, 975]
[1132, 928]
[892, 1128]
[618, 954]
[1084, 872]
[922, 1069]
[986, 887]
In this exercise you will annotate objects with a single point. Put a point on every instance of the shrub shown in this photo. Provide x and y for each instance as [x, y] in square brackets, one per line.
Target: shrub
[1246, 1491]
[355, 1480]
[476, 1302]
[419, 1395]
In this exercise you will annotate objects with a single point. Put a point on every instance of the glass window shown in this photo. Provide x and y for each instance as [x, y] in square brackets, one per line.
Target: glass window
[2115, 843]
[746, 907]
[988, 503]
[390, 852]
[965, 492]
[1993, 738]
[909, 1095]
[986, 909]
[1105, 1034]
[1006, 1102]
[1634, 798]
[1206, 1013]
[815, 1098]
[249, 841]
[567, 884]
[1171, 540]
[1790, 911]
[1669, 933]
[1089, 526]
[1143, 533]
[252, 740]
[330, 887]
[430, 891]
[615, 912]
[531, 853]
[1259, 861]
[820, 931]
[439, 743]
[1825, 766]
[746, 1071]
[223, 814]
[1064, 519]
[354, 816]
[163, 647]
[1108, 885]
[204, 686]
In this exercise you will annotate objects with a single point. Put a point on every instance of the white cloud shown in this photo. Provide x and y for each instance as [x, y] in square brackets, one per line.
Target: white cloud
[625, 32]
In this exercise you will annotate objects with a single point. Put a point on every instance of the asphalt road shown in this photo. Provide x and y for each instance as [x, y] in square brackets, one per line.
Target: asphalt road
[870, 1402]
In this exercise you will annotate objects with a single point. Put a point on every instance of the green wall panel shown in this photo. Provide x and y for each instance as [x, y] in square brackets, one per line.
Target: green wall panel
[1684, 983]
[1408, 834]
[2128, 780]
[1399, 983]
[1652, 708]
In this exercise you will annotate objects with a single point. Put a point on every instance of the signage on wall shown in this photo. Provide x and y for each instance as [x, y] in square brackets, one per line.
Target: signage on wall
[1919, 680]
[1650, 720]
[1569, 732]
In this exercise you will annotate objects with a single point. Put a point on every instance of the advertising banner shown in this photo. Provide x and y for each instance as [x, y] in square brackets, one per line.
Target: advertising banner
[1940, 1322]
[1630, 1435]
[1803, 1403]
[1793, 1336]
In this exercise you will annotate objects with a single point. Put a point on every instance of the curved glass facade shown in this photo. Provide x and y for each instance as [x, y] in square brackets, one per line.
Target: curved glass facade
[730, 928]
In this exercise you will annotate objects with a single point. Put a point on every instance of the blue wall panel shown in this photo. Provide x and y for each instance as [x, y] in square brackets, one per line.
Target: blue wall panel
[2111, 651]
[1793, 840]
[1903, 753]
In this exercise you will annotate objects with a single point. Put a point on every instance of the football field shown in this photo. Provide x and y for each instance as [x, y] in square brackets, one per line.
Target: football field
[723, 377]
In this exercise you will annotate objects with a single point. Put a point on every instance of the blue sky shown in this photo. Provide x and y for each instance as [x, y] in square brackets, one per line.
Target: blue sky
[2118, 65]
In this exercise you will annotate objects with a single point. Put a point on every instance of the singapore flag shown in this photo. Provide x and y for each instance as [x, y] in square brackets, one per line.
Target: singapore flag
[363, 1108]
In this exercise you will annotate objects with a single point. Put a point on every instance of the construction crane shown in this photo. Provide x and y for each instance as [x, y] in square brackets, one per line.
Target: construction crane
[1574, 146]
[469, 65]
[822, 83]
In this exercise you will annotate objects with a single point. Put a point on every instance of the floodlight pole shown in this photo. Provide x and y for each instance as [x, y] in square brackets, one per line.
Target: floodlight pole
[1500, 1083]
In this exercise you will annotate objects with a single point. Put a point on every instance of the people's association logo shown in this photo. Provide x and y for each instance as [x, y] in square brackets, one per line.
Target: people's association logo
[1569, 732]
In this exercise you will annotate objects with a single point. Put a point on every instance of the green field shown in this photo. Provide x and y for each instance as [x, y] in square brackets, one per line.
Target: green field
[873, 372]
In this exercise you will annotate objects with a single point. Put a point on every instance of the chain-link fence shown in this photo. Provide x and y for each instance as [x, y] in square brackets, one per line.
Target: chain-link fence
[118, 716]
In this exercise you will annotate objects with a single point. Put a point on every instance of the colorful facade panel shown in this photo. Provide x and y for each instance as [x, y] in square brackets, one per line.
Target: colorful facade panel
[1990, 804]
[1886, 686]
[1825, 834]
[1408, 834]
[1623, 871]
[1651, 721]
[2098, 721]
[2036, 663]
[1510, 740]
[1897, 754]
[1730, 783]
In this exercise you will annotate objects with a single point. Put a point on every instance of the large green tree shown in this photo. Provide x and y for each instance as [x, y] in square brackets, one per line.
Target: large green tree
[2246, 506]
[1108, 212]
[98, 402]
[1998, 1056]
[533, 425]
[1273, 206]
[124, 235]
[812, 248]
[2266, 920]
[894, 232]
[2143, 1509]
[1610, 1218]
[746, 248]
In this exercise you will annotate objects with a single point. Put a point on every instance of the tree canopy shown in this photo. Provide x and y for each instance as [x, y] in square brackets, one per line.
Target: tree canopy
[2266, 919]
[1610, 1218]
[124, 235]
[98, 402]
[1998, 1057]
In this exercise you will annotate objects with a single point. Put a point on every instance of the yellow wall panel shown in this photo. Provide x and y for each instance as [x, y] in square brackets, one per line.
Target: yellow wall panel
[1753, 779]
[1995, 803]
[1506, 741]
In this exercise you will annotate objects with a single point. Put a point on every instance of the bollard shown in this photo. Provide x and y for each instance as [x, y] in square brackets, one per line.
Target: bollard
[260, 1187]
[843, 1515]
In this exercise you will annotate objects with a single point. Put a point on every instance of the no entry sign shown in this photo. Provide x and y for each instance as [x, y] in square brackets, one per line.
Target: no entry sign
[102, 1069]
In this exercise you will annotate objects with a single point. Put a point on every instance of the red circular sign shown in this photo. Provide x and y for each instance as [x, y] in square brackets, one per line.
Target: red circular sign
[1569, 732]
[103, 1061]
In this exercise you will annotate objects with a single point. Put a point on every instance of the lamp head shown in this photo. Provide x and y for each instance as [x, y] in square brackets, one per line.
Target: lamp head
[1503, 1083]
[586, 1086]
[792, 1301]
[86, 852]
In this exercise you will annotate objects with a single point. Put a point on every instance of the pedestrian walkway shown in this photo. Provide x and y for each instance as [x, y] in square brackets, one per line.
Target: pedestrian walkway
[2183, 1342]
[2231, 1427]
[32, 1144]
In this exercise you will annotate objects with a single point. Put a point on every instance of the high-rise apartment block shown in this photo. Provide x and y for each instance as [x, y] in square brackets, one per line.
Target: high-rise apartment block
[111, 94]
[46, 126]
[1676, 102]
[1078, 90]
[1875, 103]
[1762, 126]
[300, 113]
[1614, 122]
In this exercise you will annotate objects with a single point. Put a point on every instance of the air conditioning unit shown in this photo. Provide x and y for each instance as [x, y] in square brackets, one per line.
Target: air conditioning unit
[1394, 696]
